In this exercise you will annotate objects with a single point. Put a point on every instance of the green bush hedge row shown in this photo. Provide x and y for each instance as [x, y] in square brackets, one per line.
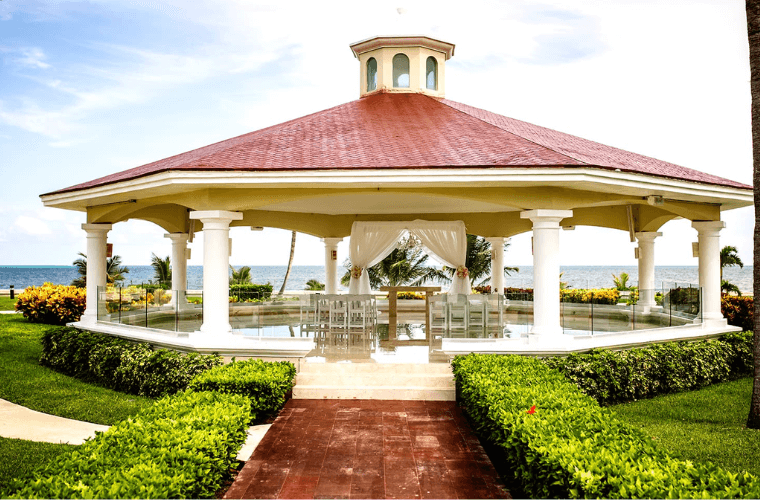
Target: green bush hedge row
[182, 447]
[559, 443]
[618, 376]
[125, 366]
[265, 383]
[251, 291]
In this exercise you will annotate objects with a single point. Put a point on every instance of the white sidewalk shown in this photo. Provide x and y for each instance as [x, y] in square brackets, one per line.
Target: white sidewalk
[19, 422]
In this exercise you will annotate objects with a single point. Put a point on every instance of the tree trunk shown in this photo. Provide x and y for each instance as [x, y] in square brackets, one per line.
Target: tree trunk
[753, 32]
[290, 262]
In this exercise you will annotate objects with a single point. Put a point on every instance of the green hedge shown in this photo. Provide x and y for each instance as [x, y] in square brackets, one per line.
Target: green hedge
[251, 291]
[618, 376]
[557, 442]
[265, 383]
[182, 447]
[125, 366]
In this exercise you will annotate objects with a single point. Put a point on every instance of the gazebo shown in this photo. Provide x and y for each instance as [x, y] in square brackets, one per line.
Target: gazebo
[402, 152]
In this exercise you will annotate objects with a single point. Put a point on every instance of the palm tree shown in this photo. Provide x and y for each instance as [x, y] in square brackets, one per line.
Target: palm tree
[729, 257]
[162, 269]
[621, 282]
[290, 262]
[478, 261]
[727, 287]
[405, 265]
[241, 276]
[313, 284]
[114, 270]
[753, 34]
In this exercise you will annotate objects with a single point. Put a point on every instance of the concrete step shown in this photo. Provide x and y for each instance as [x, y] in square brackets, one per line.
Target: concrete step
[428, 382]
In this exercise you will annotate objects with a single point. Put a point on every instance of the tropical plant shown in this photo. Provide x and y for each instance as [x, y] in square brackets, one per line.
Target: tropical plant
[728, 287]
[162, 271]
[240, 276]
[621, 282]
[753, 35]
[405, 265]
[290, 263]
[114, 270]
[478, 261]
[313, 284]
[729, 257]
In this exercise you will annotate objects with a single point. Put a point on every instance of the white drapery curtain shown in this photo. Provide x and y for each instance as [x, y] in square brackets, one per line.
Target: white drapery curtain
[370, 243]
[373, 241]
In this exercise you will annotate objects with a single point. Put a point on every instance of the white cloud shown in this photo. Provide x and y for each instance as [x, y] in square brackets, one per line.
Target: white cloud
[31, 225]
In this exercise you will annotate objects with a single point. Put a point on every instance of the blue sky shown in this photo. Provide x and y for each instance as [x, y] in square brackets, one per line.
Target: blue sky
[91, 88]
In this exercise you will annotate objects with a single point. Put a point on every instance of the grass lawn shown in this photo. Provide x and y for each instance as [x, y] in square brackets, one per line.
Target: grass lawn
[20, 458]
[23, 381]
[7, 304]
[704, 425]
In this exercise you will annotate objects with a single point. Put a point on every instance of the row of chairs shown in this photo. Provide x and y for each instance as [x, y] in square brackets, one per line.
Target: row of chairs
[348, 312]
[466, 312]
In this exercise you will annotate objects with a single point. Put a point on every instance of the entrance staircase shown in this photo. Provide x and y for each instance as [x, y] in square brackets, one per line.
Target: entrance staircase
[421, 382]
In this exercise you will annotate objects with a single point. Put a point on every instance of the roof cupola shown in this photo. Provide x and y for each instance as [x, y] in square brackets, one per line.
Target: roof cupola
[413, 64]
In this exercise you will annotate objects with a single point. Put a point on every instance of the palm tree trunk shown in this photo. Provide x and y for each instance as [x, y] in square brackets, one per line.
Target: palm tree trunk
[753, 32]
[290, 262]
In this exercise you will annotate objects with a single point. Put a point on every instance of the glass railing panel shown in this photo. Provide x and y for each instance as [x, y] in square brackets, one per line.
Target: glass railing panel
[683, 305]
[189, 310]
[576, 312]
[160, 313]
[518, 313]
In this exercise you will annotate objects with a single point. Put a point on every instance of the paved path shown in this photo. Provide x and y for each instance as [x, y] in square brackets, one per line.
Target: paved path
[369, 449]
[22, 423]
[19, 422]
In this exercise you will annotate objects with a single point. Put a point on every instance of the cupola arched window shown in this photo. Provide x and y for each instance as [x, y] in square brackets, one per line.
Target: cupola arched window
[371, 74]
[401, 71]
[431, 72]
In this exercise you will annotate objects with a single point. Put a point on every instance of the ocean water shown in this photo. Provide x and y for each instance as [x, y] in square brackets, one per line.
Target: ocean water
[575, 276]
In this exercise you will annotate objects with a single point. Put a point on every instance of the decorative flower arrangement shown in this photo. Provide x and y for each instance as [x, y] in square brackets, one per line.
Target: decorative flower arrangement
[462, 272]
[356, 272]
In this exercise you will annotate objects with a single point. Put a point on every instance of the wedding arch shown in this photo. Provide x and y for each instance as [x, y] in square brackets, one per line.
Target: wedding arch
[371, 242]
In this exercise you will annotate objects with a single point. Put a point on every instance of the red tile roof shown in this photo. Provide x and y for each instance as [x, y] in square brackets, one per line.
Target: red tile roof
[387, 131]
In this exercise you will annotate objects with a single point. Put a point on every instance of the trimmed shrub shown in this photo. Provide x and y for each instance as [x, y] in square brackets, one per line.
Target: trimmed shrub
[125, 366]
[410, 296]
[738, 311]
[250, 292]
[619, 376]
[265, 383]
[557, 442]
[181, 447]
[52, 304]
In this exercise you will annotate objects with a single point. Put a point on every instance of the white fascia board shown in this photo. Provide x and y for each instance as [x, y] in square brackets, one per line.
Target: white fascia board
[390, 178]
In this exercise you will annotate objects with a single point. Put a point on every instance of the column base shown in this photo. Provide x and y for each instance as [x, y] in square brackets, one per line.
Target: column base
[88, 319]
[542, 335]
[216, 329]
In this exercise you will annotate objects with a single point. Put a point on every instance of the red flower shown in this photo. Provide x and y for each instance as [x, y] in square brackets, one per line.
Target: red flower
[532, 410]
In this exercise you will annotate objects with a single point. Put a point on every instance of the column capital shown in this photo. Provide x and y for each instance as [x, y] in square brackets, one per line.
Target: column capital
[495, 240]
[708, 227]
[331, 241]
[177, 237]
[647, 235]
[546, 218]
[216, 215]
[94, 228]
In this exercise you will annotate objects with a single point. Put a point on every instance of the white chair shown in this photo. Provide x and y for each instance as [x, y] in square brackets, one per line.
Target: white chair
[476, 313]
[338, 306]
[456, 313]
[437, 319]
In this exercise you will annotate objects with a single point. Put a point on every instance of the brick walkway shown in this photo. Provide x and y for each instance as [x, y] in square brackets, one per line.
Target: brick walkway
[368, 449]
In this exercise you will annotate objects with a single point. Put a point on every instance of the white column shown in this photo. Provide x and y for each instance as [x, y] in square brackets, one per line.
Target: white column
[709, 267]
[497, 264]
[646, 269]
[216, 265]
[179, 260]
[97, 238]
[331, 264]
[546, 320]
